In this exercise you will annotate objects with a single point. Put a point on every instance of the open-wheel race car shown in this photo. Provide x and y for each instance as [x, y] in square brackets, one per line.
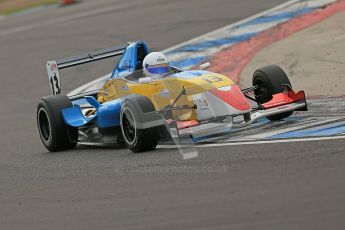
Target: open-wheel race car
[139, 111]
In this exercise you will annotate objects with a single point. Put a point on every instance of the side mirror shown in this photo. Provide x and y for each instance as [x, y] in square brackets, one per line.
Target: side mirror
[205, 65]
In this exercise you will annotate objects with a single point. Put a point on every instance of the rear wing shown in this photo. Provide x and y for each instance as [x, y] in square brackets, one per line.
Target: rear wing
[53, 67]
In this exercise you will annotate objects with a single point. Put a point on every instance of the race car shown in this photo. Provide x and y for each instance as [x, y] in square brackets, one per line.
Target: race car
[138, 111]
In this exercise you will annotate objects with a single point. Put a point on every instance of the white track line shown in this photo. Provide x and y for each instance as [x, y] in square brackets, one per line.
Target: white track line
[274, 141]
[258, 142]
[309, 124]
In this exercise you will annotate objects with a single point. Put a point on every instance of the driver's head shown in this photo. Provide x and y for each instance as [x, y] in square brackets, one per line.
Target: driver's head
[155, 64]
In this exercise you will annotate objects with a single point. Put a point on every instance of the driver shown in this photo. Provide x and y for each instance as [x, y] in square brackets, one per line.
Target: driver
[155, 65]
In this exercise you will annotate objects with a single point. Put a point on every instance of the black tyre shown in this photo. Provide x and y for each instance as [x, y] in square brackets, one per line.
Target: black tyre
[138, 139]
[54, 133]
[270, 80]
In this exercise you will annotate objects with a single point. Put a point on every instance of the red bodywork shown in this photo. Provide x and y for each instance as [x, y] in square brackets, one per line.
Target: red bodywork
[233, 97]
[286, 97]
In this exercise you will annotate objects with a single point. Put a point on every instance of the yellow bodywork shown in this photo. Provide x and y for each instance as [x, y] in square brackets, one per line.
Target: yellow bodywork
[164, 91]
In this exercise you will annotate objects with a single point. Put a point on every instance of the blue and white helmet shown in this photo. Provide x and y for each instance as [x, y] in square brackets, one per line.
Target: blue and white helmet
[155, 64]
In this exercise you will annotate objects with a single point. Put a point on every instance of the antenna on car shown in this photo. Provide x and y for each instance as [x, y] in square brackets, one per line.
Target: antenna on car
[205, 65]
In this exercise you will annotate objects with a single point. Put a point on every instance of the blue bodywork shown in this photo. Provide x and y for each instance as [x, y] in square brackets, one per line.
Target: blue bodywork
[190, 74]
[74, 117]
[131, 59]
[107, 114]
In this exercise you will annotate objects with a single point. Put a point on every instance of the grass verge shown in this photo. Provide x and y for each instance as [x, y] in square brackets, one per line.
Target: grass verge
[8, 7]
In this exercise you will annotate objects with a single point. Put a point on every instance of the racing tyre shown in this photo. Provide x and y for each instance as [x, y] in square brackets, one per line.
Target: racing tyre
[54, 133]
[270, 80]
[137, 140]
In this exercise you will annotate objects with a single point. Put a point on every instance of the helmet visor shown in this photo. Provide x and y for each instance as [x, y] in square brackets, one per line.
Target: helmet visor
[158, 69]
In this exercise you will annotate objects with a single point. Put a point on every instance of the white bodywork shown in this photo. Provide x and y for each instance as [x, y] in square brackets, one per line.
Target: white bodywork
[210, 106]
[54, 77]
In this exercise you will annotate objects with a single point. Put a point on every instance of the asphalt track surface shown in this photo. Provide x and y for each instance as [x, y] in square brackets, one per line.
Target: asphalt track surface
[271, 186]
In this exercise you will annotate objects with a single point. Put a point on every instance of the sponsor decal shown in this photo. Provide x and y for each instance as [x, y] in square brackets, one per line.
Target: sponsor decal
[54, 66]
[164, 93]
[124, 87]
[203, 105]
[160, 59]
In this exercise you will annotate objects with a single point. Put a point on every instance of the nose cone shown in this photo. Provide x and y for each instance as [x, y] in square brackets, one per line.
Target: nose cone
[233, 96]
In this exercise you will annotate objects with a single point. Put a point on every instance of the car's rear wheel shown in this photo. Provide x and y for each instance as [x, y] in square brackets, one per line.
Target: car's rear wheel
[137, 139]
[54, 133]
[270, 80]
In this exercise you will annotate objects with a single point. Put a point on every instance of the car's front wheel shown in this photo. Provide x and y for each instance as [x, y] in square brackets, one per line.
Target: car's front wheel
[54, 133]
[270, 80]
[136, 138]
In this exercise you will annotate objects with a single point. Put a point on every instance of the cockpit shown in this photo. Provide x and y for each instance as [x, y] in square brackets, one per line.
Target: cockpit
[130, 66]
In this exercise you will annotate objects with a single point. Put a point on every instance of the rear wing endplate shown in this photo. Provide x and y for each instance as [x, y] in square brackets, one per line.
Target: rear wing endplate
[53, 67]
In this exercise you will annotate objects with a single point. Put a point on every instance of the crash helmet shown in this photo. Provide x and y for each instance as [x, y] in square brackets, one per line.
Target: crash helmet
[155, 64]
